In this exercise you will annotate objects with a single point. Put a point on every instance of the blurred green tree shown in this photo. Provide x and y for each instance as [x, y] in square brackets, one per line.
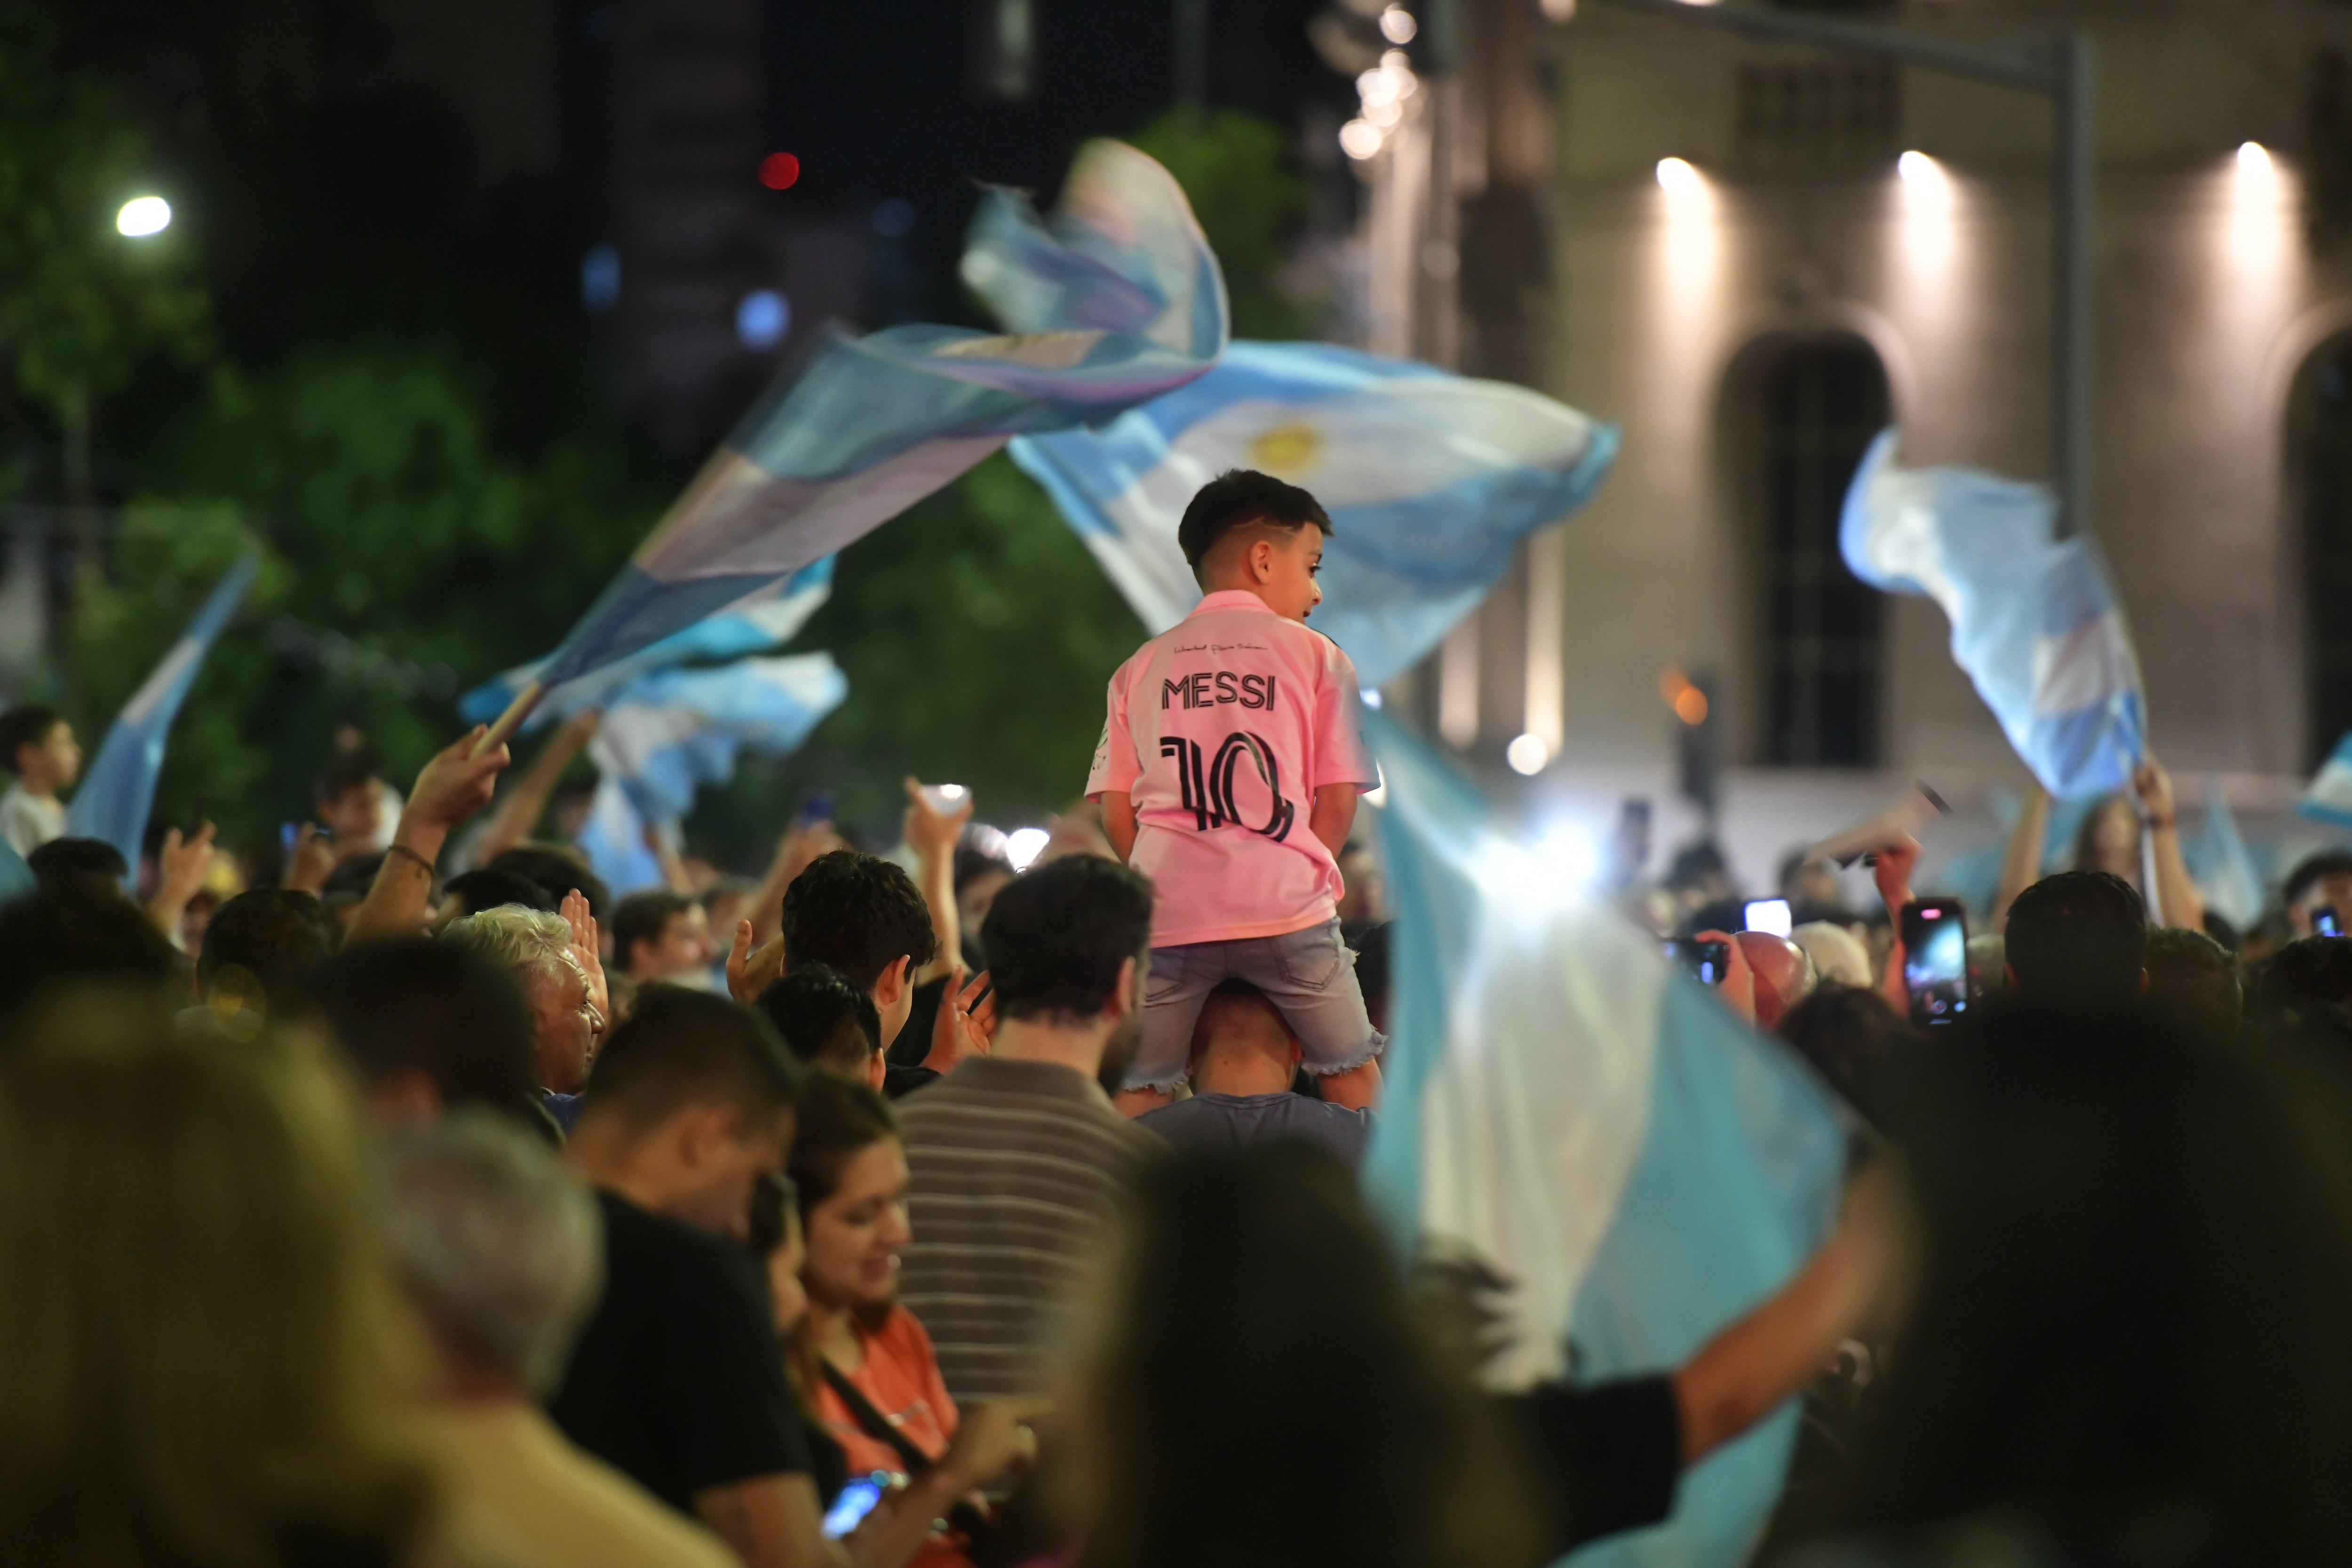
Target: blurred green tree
[1250, 200]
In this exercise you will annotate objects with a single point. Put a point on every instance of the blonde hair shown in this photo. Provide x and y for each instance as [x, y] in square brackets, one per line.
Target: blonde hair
[198, 1343]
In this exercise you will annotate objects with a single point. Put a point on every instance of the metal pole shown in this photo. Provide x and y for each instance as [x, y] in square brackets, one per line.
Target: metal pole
[2073, 204]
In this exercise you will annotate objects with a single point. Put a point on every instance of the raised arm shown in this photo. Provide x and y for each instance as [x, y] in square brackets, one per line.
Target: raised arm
[802, 842]
[525, 800]
[2177, 901]
[454, 785]
[2021, 864]
[1893, 875]
[181, 868]
[932, 835]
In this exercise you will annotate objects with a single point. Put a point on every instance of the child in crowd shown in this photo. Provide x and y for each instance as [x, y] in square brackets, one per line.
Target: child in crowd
[37, 745]
[1228, 773]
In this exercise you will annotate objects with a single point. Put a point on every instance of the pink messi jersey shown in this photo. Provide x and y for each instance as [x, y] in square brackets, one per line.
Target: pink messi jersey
[1220, 730]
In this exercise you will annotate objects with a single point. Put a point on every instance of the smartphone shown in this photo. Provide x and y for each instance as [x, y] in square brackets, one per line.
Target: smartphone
[2325, 922]
[944, 798]
[817, 807]
[857, 1498]
[1768, 914]
[1707, 960]
[1936, 960]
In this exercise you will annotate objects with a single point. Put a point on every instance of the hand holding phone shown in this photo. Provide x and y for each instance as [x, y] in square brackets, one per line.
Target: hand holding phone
[2326, 921]
[1708, 961]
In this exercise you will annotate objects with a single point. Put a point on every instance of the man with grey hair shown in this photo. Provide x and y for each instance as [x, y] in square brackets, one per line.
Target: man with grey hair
[562, 981]
[501, 1250]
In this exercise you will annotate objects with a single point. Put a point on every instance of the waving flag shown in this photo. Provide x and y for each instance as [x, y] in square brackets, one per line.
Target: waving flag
[769, 621]
[2329, 797]
[2225, 869]
[1566, 1106]
[2035, 622]
[119, 791]
[1432, 481]
[1114, 304]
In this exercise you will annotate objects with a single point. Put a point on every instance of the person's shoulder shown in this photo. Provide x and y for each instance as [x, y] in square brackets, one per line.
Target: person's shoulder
[515, 1475]
[903, 1337]
[664, 1248]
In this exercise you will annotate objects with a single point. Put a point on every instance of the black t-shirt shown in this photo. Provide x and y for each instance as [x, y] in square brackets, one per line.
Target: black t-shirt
[678, 1381]
[1604, 1458]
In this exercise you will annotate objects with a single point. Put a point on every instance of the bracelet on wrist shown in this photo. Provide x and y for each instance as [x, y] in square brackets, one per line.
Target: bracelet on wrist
[396, 847]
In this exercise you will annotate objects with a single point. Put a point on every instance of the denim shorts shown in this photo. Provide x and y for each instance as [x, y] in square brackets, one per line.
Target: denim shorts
[1309, 975]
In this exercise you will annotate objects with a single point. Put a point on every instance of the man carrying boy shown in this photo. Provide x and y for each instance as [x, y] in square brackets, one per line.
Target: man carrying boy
[37, 745]
[1228, 773]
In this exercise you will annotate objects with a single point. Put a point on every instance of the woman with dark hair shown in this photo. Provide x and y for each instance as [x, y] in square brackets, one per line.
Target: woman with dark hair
[2124, 1339]
[872, 1377]
[1257, 1393]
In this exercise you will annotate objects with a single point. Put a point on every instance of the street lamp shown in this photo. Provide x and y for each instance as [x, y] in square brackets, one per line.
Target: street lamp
[143, 215]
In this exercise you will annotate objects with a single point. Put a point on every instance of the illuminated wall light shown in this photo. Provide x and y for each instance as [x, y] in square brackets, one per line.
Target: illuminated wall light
[1527, 754]
[1559, 10]
[1678, 178]
[2257, 243]
[2254, 159]
[142, 216]
[1397, 25]
[778, 170]
[1688, 702]
[1920, 170]
[762, 318]
[1384, 114]
[1360, 139]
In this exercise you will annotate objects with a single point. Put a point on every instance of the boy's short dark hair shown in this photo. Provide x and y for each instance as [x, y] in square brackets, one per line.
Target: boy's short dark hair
[61, 935]
[683, 1047]
[857, 913]
[2311, 870]
[1238, 498]
[561, 870]
[827, 1022]
[276, 935]
[90, 863]
[486, 889]
[2078, 937]
[643, 917]
[26, 724]
[346, 771]
[1057, 936]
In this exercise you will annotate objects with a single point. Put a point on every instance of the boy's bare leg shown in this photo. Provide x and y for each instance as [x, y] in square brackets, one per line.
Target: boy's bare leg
[1133, 1102]
[1357, 1088]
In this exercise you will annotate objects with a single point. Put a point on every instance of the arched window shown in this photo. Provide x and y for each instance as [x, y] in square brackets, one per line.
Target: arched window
[1817, 400]
[2320, 449]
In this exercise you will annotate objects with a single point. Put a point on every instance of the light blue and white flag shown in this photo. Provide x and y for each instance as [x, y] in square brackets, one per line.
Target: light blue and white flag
[1116, 302]
[118, 790]
[668, 734]
[1565, 1104]
[768, 621]
[2035, 622]
[2329, 797]
[2224, 869]
[1432, 481]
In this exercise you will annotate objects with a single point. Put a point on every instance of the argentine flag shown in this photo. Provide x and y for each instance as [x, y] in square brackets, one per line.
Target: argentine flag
[2035, 622]
[667, 735]
[1567, 1106]
[770, 620]
[1116, 301]
[2223, 866]
[1432, 481]
[2329, 797]
[117, 793]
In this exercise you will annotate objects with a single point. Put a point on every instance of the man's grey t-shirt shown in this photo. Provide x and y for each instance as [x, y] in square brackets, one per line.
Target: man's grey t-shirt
[1232, 1121]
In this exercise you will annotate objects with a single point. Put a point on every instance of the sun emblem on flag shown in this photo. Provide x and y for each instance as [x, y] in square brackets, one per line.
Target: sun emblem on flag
[1287, 451]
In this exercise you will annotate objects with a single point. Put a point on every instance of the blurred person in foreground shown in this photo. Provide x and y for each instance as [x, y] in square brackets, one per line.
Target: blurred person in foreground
[427, 1026]
[2193, 981]
[679, 1378]
[1018, 1156]
[1856, 1039]
[1243, 1060]
[553, 959]
[500, 1248]
[54, 938]
[878, 1390]
[2121, 1343]
[1264, 1264]
[198, 1336]
[260, 948]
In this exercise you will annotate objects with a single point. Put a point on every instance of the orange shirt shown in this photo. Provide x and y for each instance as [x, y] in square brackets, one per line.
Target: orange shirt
[901, 1379]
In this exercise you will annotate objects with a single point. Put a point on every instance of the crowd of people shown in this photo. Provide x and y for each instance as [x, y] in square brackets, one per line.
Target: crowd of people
[422, 1204]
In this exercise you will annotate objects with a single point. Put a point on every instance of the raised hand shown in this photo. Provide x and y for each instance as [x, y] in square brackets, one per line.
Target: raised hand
[452, 787]
[931, 832]
[313, 860]
[588, 947]
[965, 1025]
[750, 971]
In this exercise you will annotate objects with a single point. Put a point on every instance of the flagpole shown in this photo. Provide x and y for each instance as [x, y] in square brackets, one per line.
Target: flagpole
[500, 734]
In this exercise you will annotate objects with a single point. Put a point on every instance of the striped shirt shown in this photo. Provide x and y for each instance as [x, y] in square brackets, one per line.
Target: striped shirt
[1015, 1166]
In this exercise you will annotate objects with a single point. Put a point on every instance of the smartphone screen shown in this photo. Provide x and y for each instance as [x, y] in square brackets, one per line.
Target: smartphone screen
[1936, 960]
[1706, 960]
[857, 1498]
[2325, 922]
[1768, 914]
[943, 798]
